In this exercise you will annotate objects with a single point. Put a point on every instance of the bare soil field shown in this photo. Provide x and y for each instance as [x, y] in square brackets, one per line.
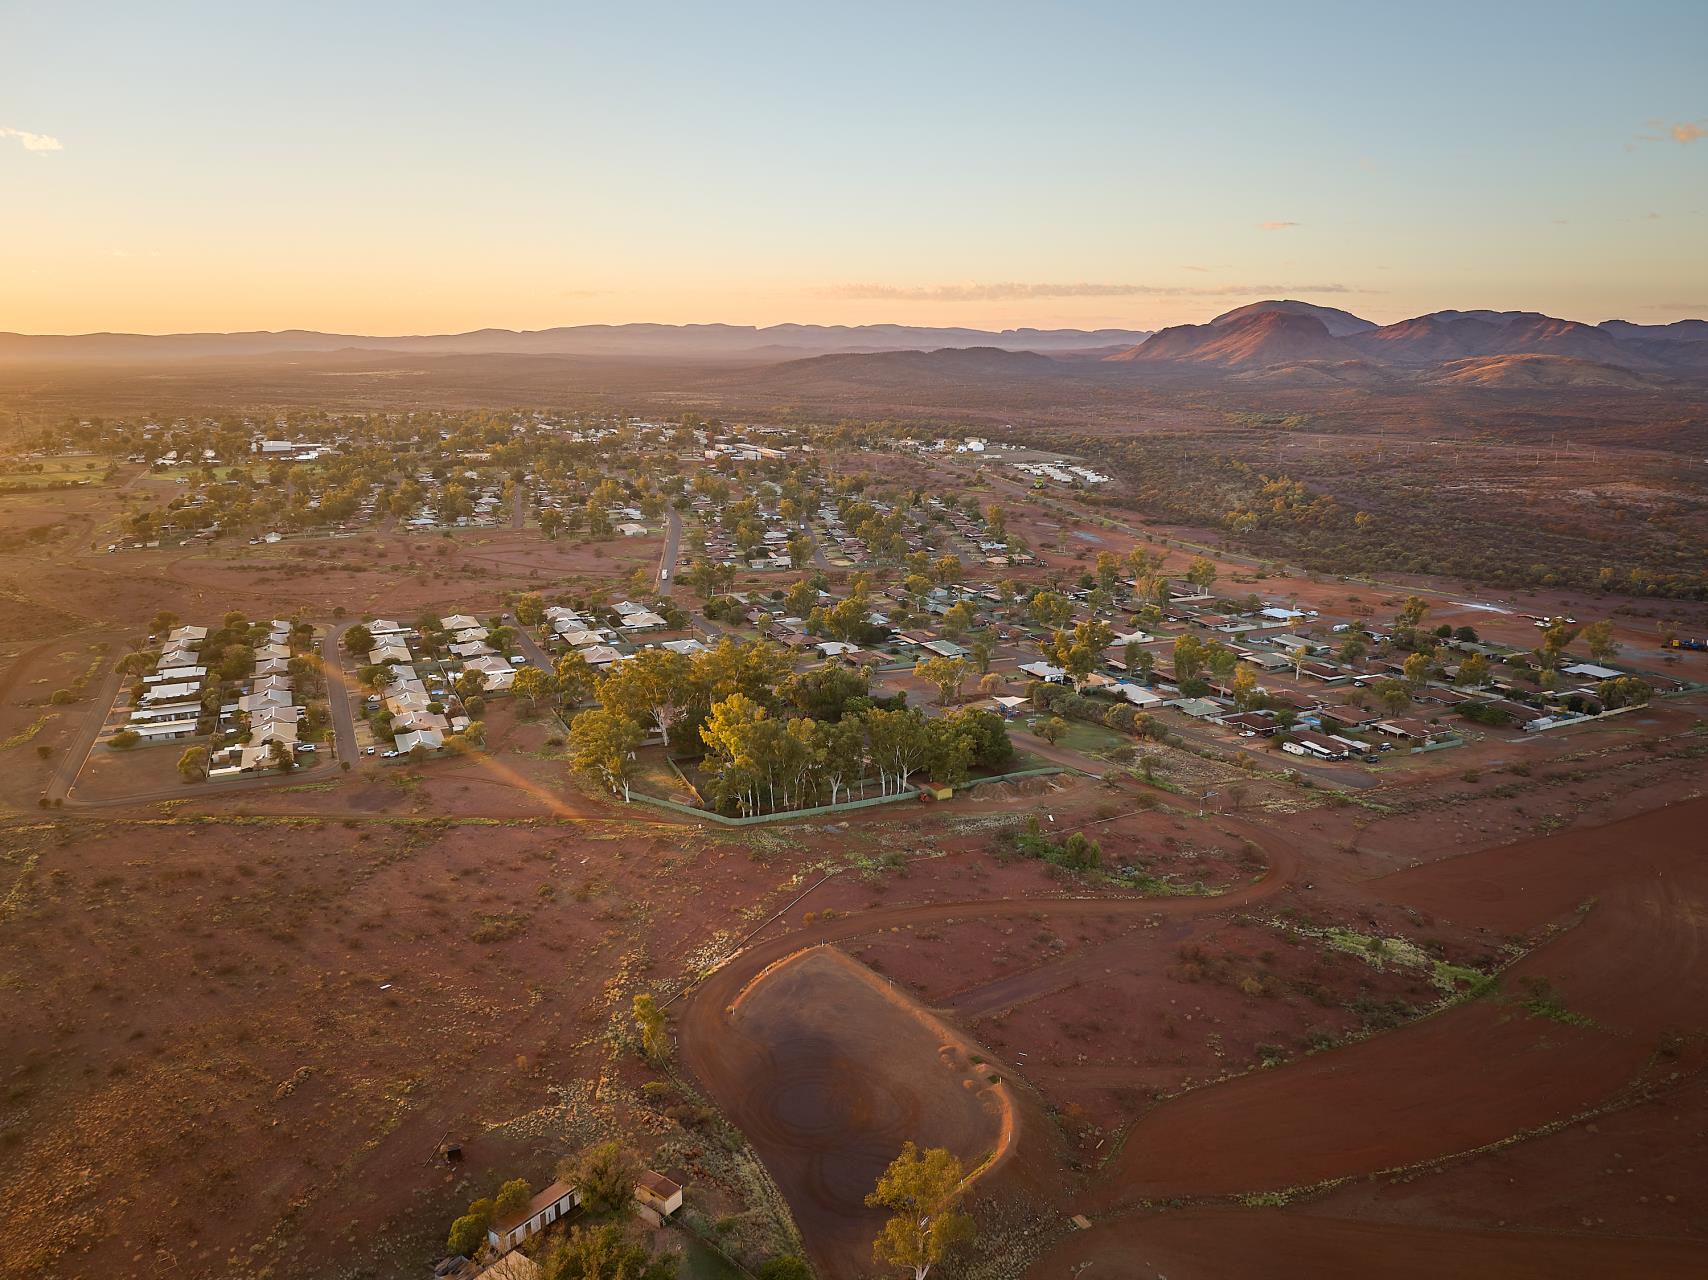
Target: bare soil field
[1212, 1244]
[1577, 1030]
[241, 1021]
[828, 1113]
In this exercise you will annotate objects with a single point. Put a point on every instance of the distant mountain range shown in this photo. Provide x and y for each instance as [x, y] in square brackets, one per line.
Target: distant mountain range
[1474, 347]
[1280, 342]
[622, 341]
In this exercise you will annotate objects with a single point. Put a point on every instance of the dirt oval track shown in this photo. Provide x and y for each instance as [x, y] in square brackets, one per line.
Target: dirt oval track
[1632, 969]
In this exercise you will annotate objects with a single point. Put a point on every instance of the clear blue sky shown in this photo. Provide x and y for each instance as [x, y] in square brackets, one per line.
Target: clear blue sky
[428, 167]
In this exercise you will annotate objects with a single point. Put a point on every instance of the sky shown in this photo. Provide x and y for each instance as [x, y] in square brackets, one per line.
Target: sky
[382, 168]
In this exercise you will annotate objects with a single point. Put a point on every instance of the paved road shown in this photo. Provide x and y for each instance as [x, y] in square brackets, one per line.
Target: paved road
[537, 655]
[518, 509]
[672, 548]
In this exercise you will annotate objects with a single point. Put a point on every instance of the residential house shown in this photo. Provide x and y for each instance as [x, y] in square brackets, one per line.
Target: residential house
[555, 1202]
[1323, 746]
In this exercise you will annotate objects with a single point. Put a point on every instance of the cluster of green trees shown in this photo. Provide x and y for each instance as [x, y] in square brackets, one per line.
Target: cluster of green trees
[772, 739]
[759, 762]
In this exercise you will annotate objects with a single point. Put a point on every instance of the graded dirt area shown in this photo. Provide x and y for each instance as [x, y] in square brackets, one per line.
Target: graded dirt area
[1216, 1244]
[830, 1074]
[1601, 1019]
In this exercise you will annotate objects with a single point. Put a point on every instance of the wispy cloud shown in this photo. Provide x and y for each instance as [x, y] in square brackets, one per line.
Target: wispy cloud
[38, 142]
[1013, 291]
[1276, 226]
[1684, 132]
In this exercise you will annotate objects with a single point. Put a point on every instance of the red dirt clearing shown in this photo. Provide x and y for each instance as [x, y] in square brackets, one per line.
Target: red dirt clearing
[1217, 1244]
[829, 1073]
[1478, 1073]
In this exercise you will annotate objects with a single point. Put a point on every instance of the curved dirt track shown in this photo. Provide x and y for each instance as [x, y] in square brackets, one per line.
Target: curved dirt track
[830, 1112]
[763, 1079]
[1626, 980]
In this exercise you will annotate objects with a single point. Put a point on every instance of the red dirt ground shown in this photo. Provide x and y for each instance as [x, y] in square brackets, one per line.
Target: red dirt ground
[1215, 1244]
[827, 1113]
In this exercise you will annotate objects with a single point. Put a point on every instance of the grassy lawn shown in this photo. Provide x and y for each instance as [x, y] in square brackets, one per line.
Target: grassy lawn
[191, 473]
[700, 1263]
[654, 776]
[54, 471]
[1087, 739]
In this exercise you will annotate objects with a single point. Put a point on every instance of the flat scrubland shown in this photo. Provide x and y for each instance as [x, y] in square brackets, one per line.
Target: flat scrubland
[1438, 1013]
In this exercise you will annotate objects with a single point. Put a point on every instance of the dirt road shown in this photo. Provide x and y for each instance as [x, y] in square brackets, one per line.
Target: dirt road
[1578, 1024]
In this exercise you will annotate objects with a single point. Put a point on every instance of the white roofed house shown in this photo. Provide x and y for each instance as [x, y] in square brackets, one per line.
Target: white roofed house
[601, 655]
[250, 703]
[496, 674]
[1045, 672]
[1590, 671]
[419, 722]
[172, 692]
[471, 649]
[1138, 695]
[265, 731]
[176, 675]
[561, 618]
[462, 622]
[426, 739]
[389, 651]
[164, 729]
[406, 700]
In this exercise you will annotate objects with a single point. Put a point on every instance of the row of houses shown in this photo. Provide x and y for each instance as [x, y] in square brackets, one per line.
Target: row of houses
[471, 650]
[406, 697]
[170, 706]
[598, 642]
[267, 708]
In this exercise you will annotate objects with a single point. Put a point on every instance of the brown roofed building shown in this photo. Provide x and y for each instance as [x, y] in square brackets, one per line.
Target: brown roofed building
[549, 1206]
